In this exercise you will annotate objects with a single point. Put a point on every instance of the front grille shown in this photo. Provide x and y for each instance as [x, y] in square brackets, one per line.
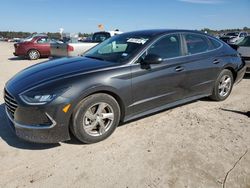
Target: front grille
[10, 102]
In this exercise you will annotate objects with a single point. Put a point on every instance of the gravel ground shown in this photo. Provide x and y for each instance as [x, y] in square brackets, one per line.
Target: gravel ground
[200, 144]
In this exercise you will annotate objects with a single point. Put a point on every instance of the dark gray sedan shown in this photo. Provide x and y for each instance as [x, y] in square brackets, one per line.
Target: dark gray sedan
[125, 77]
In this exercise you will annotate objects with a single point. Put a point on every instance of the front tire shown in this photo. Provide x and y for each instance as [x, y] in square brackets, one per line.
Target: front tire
[33, 54]
[223, 86]
[95, 118]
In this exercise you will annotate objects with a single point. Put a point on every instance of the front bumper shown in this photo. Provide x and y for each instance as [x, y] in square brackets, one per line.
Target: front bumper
[53, 132]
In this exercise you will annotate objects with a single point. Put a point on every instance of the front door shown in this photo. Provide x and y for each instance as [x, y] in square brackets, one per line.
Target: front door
[158, 84]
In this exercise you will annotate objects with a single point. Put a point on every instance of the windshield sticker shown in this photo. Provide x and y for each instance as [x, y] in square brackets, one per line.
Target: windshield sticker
[137, 41]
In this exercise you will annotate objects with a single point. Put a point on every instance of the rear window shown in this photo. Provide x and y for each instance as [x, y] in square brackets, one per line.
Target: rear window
[196, 43]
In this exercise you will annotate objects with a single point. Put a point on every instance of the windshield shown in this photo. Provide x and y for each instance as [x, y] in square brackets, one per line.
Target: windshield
[232, 34]
[119, 48]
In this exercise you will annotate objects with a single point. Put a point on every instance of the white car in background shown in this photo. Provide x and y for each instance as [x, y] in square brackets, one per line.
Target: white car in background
[240, 36]
[76, 48]
[233, 37]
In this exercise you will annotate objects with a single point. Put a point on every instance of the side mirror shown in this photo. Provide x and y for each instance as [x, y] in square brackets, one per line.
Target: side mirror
[152, 59]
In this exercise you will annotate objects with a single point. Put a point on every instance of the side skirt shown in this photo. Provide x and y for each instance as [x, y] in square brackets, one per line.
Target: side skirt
[164, 107]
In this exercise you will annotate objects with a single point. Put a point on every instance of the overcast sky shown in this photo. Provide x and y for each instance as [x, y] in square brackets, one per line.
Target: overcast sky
[126, 15]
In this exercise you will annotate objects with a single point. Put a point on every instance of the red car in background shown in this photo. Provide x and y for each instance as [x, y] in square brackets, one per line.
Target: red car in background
[33, 47]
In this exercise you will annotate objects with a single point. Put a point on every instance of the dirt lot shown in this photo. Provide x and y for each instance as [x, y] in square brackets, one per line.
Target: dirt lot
[201, 144]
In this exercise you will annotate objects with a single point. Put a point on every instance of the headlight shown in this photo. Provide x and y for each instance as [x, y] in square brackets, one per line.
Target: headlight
[40, 98]
[37, 99]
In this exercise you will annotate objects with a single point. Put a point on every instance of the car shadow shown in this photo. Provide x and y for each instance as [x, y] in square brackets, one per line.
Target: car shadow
[247, 76]
[238, 112]
[23, 58]
[8, 135]
[17, 58]
[73, 141]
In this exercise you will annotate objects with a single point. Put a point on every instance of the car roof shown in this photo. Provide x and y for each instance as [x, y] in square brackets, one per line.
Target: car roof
[156, 32]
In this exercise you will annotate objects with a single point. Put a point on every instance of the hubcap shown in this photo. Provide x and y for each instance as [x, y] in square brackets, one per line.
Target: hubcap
[225, 85]
[98, 119]
[33, 54]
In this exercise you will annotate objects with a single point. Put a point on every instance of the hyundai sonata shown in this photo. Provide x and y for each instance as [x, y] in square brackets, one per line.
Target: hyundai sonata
[125, 77]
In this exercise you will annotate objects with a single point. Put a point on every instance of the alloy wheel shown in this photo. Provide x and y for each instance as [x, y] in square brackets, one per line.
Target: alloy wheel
[33, 54]
[225, 85]
[98, 119]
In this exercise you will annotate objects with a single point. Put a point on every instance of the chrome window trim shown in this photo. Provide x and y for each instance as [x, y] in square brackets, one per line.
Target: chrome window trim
[133, 61]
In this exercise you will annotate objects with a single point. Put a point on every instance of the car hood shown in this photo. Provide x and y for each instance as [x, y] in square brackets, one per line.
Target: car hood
[53, 70]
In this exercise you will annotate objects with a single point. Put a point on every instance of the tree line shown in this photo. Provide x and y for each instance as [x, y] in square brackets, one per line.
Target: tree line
[218, 32]
[20, 34]
[57, 35]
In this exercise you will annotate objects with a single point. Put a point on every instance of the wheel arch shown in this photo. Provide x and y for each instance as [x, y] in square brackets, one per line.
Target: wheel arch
[232, 70]
[105, 90]
[117, 98]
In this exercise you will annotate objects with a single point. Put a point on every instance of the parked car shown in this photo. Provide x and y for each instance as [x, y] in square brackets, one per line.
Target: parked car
[34, 47]
[243, 47]
[233, 37]
[123, 78]
[78, 48]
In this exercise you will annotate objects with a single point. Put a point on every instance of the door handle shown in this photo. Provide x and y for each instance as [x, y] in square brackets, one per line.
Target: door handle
[179, 69]
[216, 61]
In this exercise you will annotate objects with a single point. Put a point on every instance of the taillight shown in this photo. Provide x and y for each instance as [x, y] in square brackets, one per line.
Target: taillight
[70, 48]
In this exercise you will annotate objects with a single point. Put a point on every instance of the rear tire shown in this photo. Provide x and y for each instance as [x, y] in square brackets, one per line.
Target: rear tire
[33, 54]
[95, 118]
[223, 86]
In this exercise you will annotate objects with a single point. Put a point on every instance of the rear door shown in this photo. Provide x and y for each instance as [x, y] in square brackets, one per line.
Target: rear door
[203, 64]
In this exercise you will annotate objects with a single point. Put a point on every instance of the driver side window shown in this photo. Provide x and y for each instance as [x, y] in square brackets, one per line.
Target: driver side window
[167, 47]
